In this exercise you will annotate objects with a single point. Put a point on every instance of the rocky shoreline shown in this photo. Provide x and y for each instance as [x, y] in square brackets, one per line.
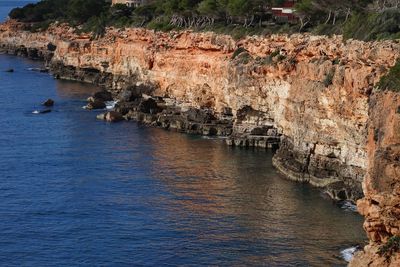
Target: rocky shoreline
[311, 98]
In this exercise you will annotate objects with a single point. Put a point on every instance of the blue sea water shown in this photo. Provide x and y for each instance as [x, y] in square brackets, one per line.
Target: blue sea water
[75, 191]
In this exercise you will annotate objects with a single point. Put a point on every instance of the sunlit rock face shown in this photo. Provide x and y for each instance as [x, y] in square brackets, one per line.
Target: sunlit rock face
[316, 93]
[381, 205]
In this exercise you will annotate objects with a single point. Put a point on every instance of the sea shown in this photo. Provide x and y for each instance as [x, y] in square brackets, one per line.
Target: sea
[75, 191]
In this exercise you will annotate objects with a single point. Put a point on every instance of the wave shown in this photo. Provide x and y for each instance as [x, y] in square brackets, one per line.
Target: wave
[348, 206]
[348, 253]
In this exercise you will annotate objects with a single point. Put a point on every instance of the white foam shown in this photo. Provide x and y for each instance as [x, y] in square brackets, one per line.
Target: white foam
[36, 112]
[349, 206]
[111, 104]
[348, 253]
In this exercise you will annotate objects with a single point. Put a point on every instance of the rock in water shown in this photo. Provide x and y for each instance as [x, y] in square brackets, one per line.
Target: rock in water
[9, 70]
[96, 104]
[41, 111]
[101, 116]
[48, 103]
[111, 116]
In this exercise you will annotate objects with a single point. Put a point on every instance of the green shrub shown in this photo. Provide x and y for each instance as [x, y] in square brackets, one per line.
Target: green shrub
[237, 52]
[241, 56]
[40, 26]
[373, 26]
[391, 81]
[244, 58]
[160, 24]
[391, 247]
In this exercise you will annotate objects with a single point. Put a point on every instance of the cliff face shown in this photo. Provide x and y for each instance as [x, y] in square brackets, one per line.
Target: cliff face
[316, 92]
[381, 205]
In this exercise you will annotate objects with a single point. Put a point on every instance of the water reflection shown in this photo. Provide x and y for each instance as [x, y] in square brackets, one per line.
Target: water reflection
[79, 191]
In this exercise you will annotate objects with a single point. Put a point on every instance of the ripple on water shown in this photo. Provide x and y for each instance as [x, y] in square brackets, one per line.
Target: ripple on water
[76, 192]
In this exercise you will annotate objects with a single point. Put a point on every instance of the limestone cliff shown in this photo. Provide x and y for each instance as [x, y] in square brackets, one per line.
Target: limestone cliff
[316, 92]
[381, 205]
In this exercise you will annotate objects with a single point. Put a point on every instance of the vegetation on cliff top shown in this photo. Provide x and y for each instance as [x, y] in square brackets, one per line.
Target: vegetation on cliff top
[391, 81]
[360, 19]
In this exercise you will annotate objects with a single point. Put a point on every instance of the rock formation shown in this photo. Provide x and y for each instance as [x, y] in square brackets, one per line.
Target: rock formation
[313, 96]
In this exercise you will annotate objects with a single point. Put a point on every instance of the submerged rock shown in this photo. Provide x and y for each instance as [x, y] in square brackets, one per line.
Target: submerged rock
[48, 103]
[41, 111]
[9, 70]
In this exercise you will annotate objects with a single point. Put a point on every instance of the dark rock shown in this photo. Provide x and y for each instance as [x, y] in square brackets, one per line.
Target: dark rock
[51, 47]
[259, 131]
[9, 70]
[48, 103]
[149, 106]
[42, 111]
[96, 104]
[103, 96]
[126, 96]
[199, 116]
[143, 88]
[227, 111]
[125, 107]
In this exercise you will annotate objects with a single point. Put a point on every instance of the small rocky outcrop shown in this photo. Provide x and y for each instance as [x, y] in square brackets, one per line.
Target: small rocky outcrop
[48, 103]
[9, 70]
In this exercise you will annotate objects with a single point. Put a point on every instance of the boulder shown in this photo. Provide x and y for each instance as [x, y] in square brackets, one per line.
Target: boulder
[113, 116]
[48, 103]
[103, 96]
[101, 116]
[96, 104]
[110, 116]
